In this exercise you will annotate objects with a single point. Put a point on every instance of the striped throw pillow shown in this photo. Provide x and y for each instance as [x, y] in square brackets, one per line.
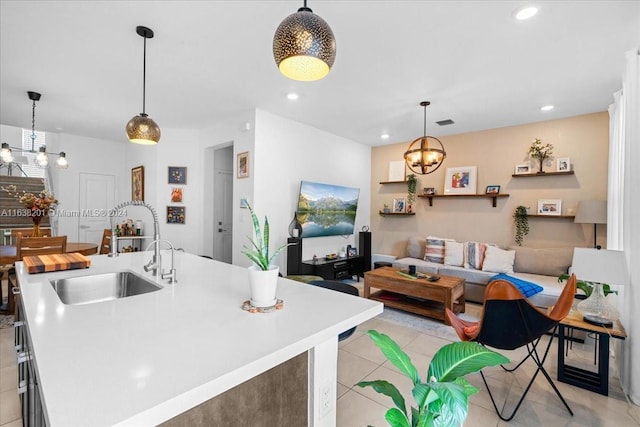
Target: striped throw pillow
[474, 255]
[435, 249]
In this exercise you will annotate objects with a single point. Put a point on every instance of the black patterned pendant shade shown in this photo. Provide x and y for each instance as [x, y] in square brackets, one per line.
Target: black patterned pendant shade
[304, 47]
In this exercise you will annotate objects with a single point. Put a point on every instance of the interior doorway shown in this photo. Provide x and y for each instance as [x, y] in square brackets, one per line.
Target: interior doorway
[219, 191]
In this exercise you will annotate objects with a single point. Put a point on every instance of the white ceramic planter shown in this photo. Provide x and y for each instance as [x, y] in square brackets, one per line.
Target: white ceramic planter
[263, 286]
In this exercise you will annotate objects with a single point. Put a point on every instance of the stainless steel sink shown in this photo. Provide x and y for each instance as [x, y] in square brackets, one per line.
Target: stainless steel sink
[102, 287]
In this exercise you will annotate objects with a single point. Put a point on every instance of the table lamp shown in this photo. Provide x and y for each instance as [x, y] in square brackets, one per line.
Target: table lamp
[591, 212]
[598, 266]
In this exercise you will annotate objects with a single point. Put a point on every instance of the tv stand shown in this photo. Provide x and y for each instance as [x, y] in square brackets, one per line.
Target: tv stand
[332, 269]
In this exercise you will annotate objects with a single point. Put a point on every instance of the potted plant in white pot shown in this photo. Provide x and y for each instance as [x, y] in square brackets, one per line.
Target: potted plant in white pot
[263, 276]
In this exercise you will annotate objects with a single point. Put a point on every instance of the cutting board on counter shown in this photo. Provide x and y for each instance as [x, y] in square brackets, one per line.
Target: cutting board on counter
[55, 262]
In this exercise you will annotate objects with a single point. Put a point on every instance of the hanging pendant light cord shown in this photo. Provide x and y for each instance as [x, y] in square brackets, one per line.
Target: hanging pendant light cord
[33, 126]
[144, 74]
[425, 122]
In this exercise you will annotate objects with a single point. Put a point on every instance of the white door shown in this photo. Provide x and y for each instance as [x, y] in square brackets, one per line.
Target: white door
[223, 227]
[97, 198]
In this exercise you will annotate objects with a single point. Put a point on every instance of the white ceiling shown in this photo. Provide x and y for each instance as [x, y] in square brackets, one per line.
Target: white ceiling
[210, 59]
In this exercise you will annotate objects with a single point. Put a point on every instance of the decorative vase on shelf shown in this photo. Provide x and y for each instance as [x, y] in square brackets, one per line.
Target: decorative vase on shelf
[295, 228]
[263, 284]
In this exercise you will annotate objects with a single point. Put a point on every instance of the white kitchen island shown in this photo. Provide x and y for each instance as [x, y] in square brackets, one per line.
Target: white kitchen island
[145, 359]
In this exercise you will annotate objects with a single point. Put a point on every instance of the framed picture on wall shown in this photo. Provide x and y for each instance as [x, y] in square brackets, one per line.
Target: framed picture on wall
[523, 169]
[177, 175]
[563, 164]
[176, 215]
[492, 189]
[243, 165]
[550, 207]
[399, 205]
[137, 183]
[461, 180]
[176, 195]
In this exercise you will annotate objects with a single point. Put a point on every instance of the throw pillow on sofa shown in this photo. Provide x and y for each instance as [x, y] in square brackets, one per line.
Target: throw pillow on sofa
[435, 249]
[474, 255]
[453, 253]
[416, 247]
[498, 260]
[544, 261]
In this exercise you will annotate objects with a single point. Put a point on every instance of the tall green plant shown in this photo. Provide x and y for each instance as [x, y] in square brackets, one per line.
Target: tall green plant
[259, 252]
[442, 400]
[522, 224]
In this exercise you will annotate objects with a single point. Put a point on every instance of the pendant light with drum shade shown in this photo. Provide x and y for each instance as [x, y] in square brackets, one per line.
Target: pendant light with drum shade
[142, 129]
[425, 154]
[304, 47]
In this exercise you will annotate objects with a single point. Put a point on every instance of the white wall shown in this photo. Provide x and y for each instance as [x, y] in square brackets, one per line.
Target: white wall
[287, 152]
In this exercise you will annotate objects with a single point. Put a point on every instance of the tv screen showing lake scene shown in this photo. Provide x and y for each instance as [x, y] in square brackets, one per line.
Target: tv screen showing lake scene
[327, 210]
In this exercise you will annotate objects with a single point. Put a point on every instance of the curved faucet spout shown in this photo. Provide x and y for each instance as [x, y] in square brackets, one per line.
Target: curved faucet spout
[155, 263]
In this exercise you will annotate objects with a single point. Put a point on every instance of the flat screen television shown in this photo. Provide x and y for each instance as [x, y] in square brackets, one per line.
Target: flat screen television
[327, 210]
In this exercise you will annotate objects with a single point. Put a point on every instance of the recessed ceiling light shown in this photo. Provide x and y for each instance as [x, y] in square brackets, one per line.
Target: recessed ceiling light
[525, 12]
[292, 96]
[547, 108]
[384, 136]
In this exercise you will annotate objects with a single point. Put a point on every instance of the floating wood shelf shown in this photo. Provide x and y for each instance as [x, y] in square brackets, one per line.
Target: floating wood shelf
[552, 216]
[535, 174]
[493, 197]
[396, 213]
[393, 182]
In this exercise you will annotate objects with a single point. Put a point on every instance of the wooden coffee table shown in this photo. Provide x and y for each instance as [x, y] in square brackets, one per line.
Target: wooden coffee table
[418, 296]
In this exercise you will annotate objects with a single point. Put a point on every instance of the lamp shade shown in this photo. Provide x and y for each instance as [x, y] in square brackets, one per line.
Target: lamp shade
[600, 266]
[143, 130]
[591, 212]
[304, 47]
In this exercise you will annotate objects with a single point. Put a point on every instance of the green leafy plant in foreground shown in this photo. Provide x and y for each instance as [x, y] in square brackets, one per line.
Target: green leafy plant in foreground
[259, 250]
[442, 400]
[587, 287]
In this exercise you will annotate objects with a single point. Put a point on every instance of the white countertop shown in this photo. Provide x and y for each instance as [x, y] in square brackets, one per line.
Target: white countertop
[141, 360]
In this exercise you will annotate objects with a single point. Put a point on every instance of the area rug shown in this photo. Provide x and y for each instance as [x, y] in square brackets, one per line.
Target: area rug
[6, 321]
[429, 326]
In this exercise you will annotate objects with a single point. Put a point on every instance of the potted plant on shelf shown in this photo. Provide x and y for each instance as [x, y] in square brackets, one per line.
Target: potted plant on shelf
[522, 224]
[540, 151]
[263, 276]
[442, 400]
[412, 184]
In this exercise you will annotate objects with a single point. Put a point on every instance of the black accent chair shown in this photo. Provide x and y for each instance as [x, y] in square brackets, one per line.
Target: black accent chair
[510, 321]
[340, 287]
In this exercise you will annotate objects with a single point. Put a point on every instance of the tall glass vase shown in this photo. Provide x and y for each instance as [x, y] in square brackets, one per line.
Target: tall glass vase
[36, 225]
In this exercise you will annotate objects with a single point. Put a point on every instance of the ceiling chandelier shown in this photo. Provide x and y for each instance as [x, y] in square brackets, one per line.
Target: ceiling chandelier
[424, 156]
[6, 153]
[304, 46]
[142, 129]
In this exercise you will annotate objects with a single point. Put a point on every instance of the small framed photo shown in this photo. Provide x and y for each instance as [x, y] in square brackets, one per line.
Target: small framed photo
[429, 191]
[137, 183]
[563, 164]
[175, 215]
[177, 175]
[176, 195]
[492, 189]
[399, 205]
[351, 251]
[523, 169]
[243, 165]
[461, 180]
[550, 207]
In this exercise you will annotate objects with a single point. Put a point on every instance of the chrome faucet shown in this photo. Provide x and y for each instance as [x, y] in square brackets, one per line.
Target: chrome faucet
[155, 263]
[156, 233]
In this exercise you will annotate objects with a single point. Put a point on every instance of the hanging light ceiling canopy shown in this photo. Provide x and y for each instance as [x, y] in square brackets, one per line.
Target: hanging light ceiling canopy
[425, 154]
[142, 129]
[6, 153]
[304, 46]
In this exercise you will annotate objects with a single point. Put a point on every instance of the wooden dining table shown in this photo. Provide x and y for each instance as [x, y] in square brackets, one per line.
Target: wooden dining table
[8, 253]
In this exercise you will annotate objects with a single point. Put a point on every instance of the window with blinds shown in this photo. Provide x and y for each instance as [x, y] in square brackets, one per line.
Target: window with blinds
[30, 167]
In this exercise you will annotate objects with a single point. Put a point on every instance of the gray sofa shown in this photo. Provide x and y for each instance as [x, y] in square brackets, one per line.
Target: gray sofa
[540, 266]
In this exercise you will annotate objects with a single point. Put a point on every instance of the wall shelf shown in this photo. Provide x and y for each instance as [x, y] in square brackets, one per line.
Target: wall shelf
[552, 216]
[536, 174]
[396, 213]
[493, 197]
[393, 182]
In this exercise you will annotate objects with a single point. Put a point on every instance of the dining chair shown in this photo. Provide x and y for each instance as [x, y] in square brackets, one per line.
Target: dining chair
[26, 232]
[105, 245]
[29, 246]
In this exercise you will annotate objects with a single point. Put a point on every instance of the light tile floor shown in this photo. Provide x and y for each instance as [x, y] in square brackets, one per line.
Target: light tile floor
[359, 359]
